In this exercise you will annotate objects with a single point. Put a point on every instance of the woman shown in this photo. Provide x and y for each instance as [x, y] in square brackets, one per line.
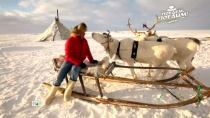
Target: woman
[76, 50]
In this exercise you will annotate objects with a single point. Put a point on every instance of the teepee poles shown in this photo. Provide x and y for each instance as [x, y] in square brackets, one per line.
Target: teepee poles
[57, 15]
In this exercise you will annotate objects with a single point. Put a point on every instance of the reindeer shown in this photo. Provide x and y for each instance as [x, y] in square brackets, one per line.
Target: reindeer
[186, 46]
[92, 69]
[154, 53]
[149, 33]
[142, 35]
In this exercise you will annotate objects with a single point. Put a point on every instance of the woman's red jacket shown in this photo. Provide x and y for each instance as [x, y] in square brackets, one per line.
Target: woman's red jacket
[76, 50]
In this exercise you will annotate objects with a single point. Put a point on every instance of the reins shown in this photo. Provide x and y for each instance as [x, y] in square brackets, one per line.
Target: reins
[109, 39]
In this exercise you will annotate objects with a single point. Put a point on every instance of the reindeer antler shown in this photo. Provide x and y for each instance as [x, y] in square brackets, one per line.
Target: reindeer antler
[149, 29]
[129, 26]
[108, 32]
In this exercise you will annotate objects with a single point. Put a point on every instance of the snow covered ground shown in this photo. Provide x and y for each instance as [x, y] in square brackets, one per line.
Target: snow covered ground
[25, 64]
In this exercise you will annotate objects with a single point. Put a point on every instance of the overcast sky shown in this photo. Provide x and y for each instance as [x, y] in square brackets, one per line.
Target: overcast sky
[34, 16]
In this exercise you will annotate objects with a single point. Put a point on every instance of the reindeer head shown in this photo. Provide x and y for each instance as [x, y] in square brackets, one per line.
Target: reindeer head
[104, 39]
[139, 35]
[107, 35]
[101, 38]
[149, 30]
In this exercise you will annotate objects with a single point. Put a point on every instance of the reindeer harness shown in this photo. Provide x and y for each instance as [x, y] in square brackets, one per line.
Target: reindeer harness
[109, 39]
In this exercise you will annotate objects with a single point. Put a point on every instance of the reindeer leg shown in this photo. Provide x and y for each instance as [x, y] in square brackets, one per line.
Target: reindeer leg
[112, 59]
[165, 71]
[188, 64]
[149, 72]
[182, 66]
[132, 70]
[157, 72]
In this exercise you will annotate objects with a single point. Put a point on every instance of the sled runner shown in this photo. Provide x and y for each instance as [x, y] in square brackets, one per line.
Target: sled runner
[200, 89]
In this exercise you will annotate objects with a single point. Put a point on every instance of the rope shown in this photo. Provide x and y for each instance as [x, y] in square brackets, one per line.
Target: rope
[161, 96]
[199, 95]
[179, 70]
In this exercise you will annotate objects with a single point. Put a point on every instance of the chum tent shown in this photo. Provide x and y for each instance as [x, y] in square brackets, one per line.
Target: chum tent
[53, 29]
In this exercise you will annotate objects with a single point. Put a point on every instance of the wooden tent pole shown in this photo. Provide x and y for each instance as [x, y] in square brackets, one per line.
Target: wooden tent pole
[57, 14]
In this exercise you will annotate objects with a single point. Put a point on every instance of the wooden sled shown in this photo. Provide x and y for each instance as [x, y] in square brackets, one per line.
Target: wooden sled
[191, 82]
[130, 103]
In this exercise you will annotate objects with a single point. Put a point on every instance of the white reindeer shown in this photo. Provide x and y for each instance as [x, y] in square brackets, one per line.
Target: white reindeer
[186, 46]
[186, 49]
[91, 69]
[99, 68]
[154, 53]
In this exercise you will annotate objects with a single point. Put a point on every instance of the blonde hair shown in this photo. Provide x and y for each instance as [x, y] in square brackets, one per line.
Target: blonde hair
[77, 30]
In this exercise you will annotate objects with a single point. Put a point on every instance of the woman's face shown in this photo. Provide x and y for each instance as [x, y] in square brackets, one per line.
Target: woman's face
[82, 34]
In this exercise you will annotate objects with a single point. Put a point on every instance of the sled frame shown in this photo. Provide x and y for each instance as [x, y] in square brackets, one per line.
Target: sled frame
[204, 93]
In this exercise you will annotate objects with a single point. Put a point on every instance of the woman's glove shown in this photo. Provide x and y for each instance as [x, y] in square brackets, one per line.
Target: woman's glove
[94, 62]
[82, 65]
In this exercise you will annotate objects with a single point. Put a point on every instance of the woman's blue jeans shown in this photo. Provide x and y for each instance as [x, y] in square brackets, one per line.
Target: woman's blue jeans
[64, 70]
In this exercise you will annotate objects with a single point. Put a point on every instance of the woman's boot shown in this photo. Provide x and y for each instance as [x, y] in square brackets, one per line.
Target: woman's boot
[51, 95]
[68, 91]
